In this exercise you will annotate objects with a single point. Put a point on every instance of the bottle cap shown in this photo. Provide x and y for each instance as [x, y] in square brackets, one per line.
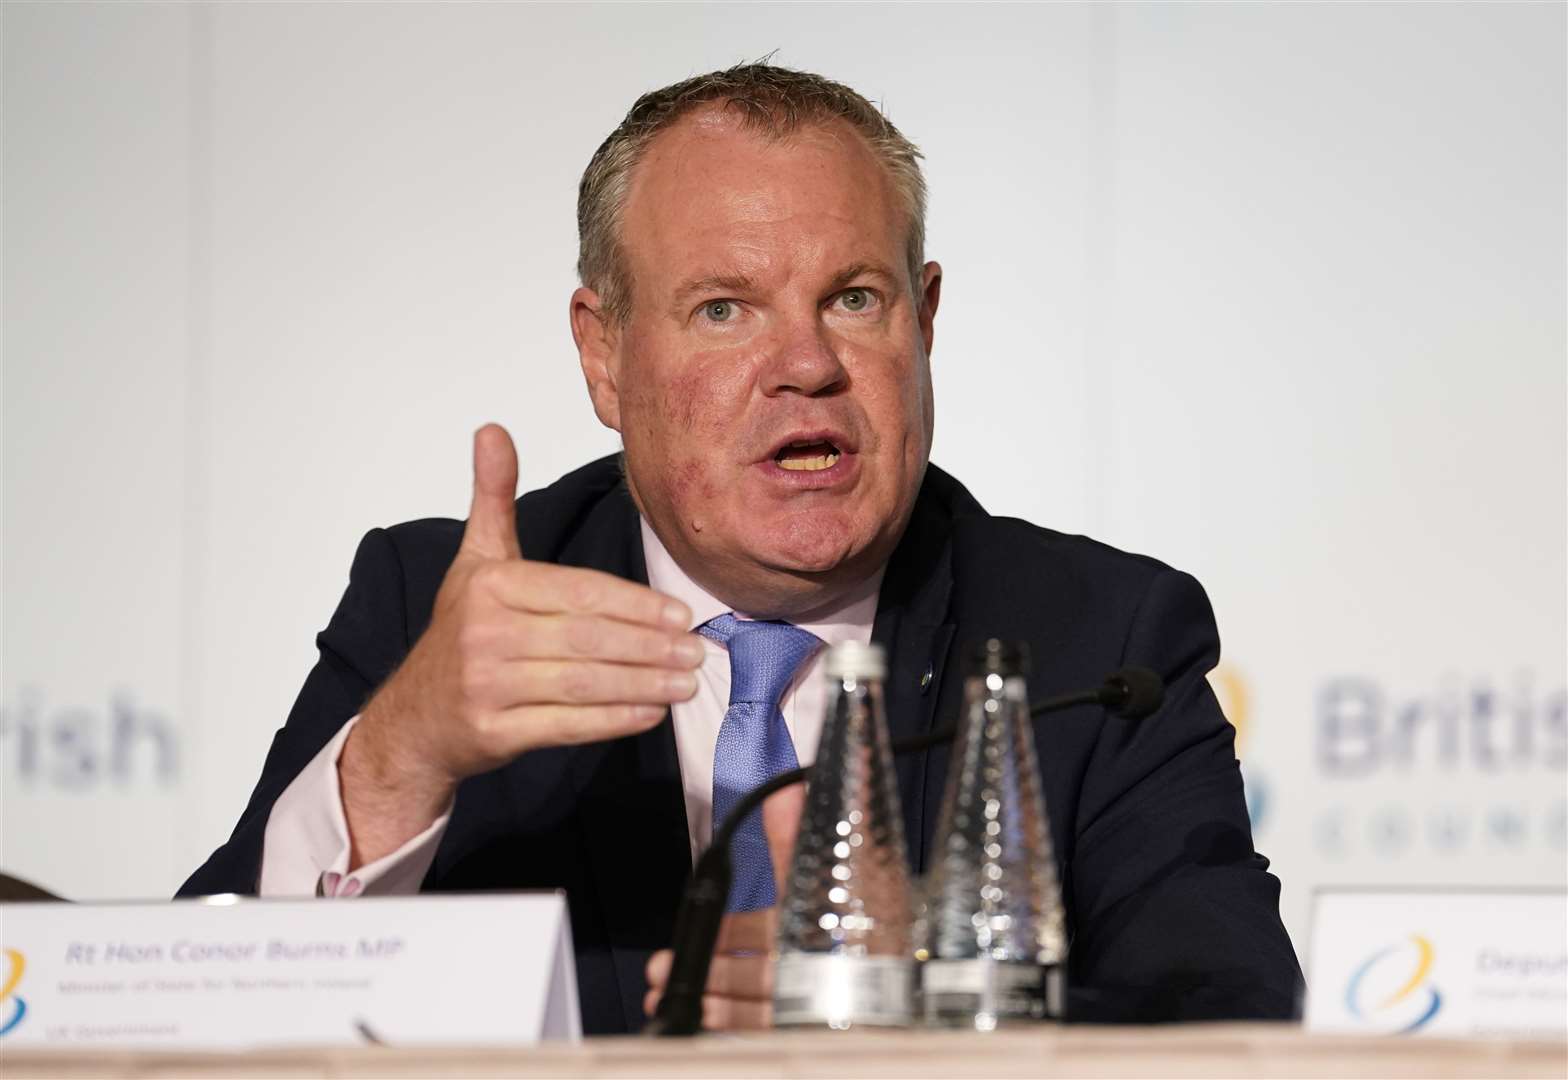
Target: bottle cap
[1000, 658]
[852, 660]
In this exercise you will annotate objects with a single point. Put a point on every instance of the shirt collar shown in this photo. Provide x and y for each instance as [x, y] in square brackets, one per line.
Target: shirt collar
[848, 620]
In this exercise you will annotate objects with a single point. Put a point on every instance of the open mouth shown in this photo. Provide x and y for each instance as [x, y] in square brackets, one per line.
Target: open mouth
[811, 456]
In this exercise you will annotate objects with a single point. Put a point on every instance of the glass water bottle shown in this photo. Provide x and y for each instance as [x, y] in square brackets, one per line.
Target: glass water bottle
[993, 944]
[845, 951]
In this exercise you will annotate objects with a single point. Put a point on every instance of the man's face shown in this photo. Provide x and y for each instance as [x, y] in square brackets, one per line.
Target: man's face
[771, 384]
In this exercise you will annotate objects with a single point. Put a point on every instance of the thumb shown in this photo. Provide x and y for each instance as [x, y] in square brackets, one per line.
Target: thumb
[492, 517]
[780, 822]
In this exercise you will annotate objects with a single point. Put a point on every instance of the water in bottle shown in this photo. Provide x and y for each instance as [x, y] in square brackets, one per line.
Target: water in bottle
[992, 943]
[845, 952]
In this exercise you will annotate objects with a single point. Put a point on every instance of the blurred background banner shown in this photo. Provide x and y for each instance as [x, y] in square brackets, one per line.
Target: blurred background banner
[1272, 292]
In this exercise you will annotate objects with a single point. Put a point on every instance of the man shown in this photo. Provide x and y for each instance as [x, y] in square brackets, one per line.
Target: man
[549, 695]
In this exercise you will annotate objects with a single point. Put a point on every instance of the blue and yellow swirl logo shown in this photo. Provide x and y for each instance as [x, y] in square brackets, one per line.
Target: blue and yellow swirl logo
[16, 1008]
[1235, 697]
[1391, 986]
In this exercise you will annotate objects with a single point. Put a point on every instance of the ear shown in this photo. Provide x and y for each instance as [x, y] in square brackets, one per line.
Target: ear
[930, 295]
[597, 343]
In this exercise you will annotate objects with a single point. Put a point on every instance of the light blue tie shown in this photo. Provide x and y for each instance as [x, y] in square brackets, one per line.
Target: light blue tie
[754, 745]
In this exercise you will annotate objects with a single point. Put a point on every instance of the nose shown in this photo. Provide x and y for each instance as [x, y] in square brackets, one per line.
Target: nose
[806, 364]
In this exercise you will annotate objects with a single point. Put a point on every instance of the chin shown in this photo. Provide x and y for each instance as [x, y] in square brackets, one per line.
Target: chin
[785, 567]
[810, 543]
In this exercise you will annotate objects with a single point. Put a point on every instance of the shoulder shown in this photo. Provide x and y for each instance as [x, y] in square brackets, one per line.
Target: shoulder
[1013, 573]
[1034, 555]
[986, 545]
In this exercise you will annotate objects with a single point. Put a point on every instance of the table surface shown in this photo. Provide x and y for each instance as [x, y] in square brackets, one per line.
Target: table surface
[1198, 1050]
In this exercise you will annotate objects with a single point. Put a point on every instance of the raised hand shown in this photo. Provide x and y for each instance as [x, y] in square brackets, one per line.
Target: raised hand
[518, 655]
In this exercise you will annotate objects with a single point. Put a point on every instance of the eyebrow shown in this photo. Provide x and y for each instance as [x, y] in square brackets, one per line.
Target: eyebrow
[859, 270]
[714, 283]
[744, 283]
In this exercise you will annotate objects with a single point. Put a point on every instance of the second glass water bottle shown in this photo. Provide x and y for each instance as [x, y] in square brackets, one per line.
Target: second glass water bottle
[993, 938]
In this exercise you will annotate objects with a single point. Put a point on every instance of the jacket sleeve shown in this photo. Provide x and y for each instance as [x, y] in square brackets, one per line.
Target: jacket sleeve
[1176, 915]
[366, 638]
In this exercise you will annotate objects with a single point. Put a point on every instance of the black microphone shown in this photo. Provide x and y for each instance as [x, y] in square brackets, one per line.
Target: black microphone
[1131, 693]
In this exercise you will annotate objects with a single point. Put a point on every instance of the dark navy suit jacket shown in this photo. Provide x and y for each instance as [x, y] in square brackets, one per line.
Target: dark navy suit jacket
[1172, 913]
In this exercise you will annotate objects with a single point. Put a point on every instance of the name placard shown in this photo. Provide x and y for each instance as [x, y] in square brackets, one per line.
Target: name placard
[232, 973]
[1439, 962]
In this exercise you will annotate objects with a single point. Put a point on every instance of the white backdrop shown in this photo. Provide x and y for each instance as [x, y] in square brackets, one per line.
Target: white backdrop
[1275, 293]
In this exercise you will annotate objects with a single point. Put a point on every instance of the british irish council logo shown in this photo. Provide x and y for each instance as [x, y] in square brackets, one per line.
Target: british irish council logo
[12, 1008]
[1390, 989]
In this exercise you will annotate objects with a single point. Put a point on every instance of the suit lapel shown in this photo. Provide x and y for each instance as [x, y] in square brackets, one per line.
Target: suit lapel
[912, 625]
[633, 809]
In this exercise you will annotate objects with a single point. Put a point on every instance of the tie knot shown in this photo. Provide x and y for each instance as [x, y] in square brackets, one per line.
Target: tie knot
[764, 656]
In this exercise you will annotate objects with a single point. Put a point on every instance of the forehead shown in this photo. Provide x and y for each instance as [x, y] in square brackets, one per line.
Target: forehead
[711, 196]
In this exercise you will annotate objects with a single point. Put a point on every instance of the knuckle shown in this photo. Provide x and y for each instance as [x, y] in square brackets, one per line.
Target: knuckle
[654, 684]
[653, 647]
[567, 727]
[548, 728]
[579, 726]
[487, 577]
[582, 592]
[577, 683]
[581, 636]
[474, 682]
[474, 636]
[633, 717]
[488, 733]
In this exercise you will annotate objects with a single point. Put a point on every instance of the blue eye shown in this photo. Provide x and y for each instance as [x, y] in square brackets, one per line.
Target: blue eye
[718, 310]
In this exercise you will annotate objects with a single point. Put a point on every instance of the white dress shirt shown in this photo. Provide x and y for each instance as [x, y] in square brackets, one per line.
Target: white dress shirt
[305, 849]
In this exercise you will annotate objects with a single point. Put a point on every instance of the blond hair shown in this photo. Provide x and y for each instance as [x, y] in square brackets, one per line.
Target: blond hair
[773, 101]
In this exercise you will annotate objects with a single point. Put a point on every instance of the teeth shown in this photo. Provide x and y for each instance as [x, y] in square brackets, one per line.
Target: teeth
[815, 463]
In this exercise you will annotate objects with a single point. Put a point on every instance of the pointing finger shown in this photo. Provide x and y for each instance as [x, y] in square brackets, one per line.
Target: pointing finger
[549, 589]
[595, 637]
